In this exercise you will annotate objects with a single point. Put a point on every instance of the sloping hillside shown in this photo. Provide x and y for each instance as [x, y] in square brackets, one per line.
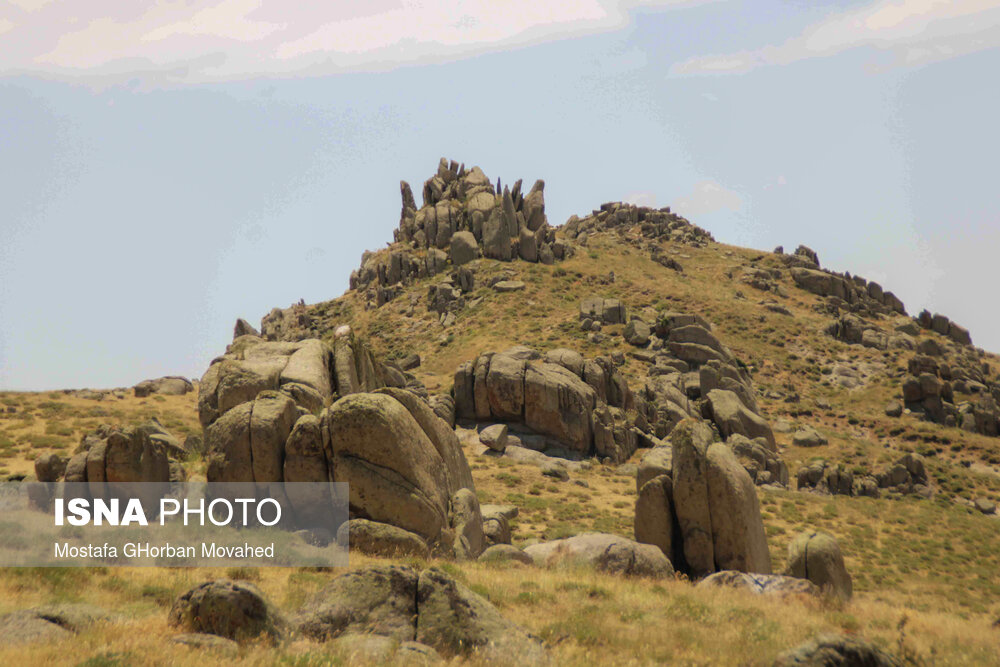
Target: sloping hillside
[847, 382]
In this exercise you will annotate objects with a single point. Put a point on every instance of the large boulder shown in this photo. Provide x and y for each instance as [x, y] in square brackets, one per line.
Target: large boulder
[731, 416]
[457, 622]
[395, 473]
[466, 520]
[231, 609]
[690, 441]
[605, 553]
[378, 600]
[738, 538]
[381, 539]
[817, 557]
[464, 248]
[172, 385]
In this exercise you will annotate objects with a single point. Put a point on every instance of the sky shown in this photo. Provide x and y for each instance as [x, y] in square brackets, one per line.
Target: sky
[168, 167]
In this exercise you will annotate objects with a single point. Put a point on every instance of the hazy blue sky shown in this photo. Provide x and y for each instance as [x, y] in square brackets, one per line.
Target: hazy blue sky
[167, 168]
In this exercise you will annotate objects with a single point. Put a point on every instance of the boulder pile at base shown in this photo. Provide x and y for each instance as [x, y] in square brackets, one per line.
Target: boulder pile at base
[311, 412]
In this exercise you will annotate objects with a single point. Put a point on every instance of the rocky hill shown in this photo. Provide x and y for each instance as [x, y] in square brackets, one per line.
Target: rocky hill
[562, 428]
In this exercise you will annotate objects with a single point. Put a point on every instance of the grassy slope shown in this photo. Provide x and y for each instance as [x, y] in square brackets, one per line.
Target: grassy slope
[934, 563]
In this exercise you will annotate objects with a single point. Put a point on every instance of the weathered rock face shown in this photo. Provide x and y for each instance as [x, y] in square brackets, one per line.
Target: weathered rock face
[690, 441]
[558, 403]
[605, 553]
[263, 405]
[817, 557]
[583, 407]
[462, 218]
[173, 385]
[234, 610]
[700, 507]
[303, 369]
[395, 470]
[429, 606]
[379, 600]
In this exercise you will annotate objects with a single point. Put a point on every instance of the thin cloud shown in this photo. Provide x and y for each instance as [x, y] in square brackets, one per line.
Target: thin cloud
[910, 32]
[707, 197]
[212, 40]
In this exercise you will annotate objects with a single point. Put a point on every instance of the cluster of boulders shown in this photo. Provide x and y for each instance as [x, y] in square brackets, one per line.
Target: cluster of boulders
[907, 476]
[384, 614]
[815, 566]
[463, 217]
[847, 293]
[855, 330]
[942, 325]
[113, 454]
[584, 406]
[654, 224]
[935, 381]
[264, 409]
[692, 373]
[702, 511]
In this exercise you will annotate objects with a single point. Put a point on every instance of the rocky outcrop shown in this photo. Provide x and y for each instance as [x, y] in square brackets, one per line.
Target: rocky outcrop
[704, 514]
[264, 408]
[310, 372]
[733, 418]
[430, 607]
[653, 225]
[606, 311]
[851, 293]
[949, 384]
[817, 557]
[584, 407]
[942, 325]
[463, 217]
[906, 476]
[759, 460]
